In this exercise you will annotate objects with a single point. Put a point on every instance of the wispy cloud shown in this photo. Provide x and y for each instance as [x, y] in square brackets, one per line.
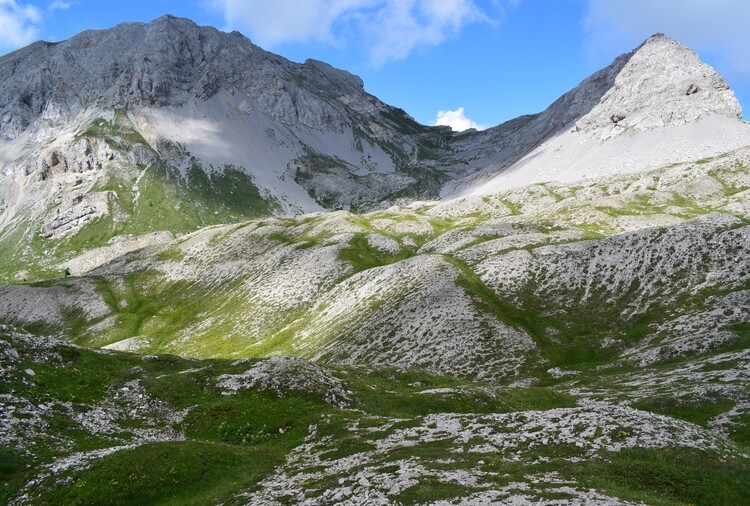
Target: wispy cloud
[271, 23]
[18, 24]
[392, 29]
[457, 120]
[399, 27]
[716, 26]
[60, 5]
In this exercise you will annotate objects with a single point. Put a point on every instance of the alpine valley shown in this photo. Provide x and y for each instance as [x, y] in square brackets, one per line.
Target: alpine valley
[228, 278]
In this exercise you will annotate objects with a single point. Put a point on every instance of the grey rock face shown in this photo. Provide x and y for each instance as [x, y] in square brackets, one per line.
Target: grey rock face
[72, 214]
[663, 83]
[170, 60]
[160, 64]
[81, 156]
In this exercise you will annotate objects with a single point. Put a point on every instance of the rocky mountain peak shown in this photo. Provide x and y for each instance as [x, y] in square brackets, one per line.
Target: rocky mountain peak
[163, 63]
[660, 88]
[660, 83]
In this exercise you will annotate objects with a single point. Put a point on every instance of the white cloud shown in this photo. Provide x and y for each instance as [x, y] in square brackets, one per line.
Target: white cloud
[457, 120]
[399, 27]
[60, 5]
[270, 23]
[18, 24]
[715, 26]
[392, 29]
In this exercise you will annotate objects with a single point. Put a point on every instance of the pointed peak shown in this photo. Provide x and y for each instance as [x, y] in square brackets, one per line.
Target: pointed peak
[660, 40]
[662, 82]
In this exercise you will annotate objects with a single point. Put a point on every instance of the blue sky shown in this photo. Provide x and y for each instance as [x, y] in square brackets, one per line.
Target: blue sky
[481, 62]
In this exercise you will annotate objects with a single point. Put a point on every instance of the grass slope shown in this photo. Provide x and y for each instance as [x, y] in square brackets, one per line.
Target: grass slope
[229, 443]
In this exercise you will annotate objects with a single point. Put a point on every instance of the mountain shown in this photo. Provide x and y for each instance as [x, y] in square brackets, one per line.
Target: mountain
[618, 120]
[231, 279]
[188, 127]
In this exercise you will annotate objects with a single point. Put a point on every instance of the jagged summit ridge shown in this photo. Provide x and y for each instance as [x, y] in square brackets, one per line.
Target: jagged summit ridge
[159, 64]
[165, 62]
